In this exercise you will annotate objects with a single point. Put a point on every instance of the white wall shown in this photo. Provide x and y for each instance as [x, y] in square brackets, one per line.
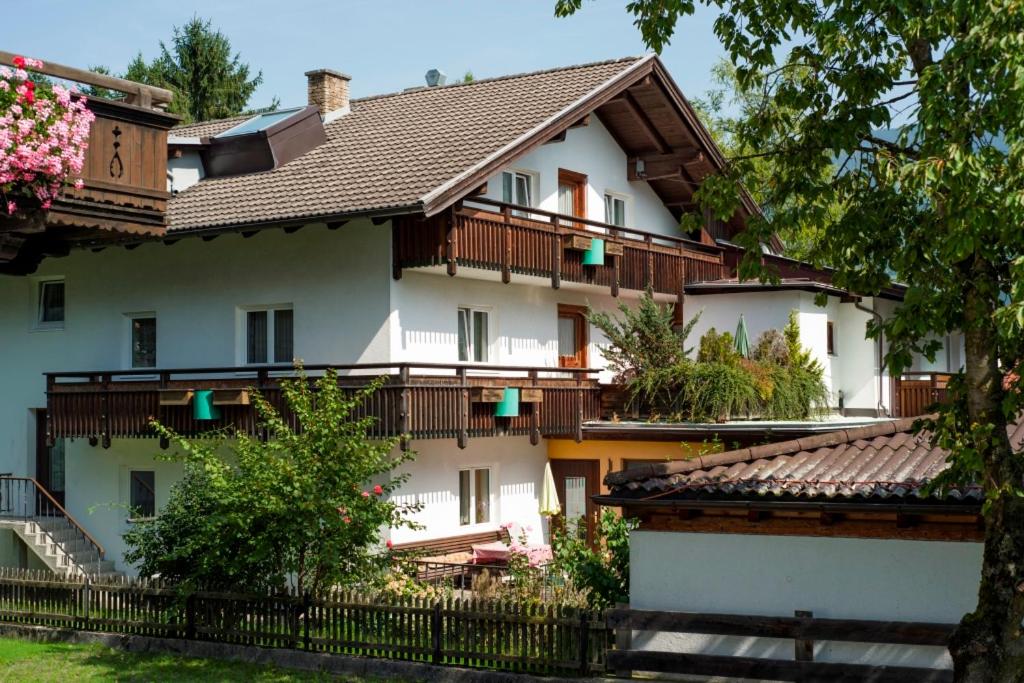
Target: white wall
[516, 468]
[841, 578]
[523, 318]
[592, 151]
[336, 281]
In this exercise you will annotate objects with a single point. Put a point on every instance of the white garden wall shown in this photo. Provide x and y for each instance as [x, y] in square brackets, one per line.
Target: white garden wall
[841, 578]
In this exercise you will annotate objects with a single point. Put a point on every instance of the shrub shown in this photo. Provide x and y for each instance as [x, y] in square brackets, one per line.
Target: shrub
[644, 350]
[771, 347]
[714, 391]
[602, 569]
[718, 348]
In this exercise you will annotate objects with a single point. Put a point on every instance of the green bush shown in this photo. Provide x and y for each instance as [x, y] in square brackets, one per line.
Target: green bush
[715, 391]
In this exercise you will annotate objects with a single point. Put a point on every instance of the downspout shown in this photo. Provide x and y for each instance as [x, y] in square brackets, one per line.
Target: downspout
[881, 340]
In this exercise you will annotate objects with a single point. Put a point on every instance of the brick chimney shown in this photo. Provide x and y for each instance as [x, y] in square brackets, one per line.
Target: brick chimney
[327, 89]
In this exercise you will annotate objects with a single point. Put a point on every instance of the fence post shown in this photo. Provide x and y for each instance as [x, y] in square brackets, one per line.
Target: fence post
[623, 641]
[190, 616]
[435, 632]
[803, 649]
[85, 603]
[307, 606]
[584, 642]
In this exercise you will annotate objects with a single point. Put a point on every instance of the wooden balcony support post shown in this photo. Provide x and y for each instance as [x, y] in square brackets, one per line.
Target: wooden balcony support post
[451, 242]
[396, 246]
[506, 260]
[535, 409]
[649, 263]
[578, 436]
[463, 436]
[105, 409]
[556, 254]
[404, 409]
[615, 268]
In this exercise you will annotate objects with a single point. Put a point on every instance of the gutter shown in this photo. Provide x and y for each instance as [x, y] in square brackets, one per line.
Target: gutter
[967, 509]
[881, 360]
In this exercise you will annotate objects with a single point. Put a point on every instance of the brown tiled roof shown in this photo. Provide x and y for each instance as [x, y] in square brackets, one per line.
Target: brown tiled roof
[205, 129]
[877, 461]
[391, 151]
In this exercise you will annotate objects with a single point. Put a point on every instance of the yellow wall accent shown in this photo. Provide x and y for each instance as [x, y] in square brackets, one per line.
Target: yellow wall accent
[612, 455]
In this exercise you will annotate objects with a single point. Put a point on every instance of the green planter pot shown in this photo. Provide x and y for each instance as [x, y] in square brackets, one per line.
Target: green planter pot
[509, 404]
[595, 255]
[202, 406]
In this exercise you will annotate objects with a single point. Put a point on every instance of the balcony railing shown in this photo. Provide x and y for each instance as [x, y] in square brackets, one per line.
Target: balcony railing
[529, 241]
[421, 401]
[916, 392]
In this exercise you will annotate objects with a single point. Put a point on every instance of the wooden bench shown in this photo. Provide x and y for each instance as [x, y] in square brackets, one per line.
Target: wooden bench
[448, 557]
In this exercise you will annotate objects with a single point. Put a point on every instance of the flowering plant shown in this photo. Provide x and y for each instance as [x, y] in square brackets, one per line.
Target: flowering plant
[44, 132]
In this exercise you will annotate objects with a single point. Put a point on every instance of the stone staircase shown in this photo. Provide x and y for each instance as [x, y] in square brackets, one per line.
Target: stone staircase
[63, 547]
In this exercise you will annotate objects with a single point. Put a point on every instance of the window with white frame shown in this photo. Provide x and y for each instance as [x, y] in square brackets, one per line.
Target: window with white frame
[50, 303]
[474, 496]
[614, 209]
[269, 336]
[142, 340]
[517, 188]
[474, 337]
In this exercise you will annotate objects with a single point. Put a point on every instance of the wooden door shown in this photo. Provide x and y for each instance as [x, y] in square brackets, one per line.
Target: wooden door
[572, 336]
[49, 461]
[577, 482]
[572, 194]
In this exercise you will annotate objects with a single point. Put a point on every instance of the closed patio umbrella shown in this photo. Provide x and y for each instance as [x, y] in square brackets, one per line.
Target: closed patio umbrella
[742, 342]
[549, 505]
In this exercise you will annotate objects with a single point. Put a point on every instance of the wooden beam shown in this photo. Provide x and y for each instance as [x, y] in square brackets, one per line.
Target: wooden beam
[334, 225]
[582, 123]
[650, 130]
[380, 220]
[557, 137]
[293, 229]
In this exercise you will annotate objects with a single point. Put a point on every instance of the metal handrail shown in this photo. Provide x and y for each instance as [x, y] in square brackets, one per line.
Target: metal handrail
[39, 489]
[568, 220]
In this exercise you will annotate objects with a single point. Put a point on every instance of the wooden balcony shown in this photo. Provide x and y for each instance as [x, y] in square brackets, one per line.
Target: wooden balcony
[914, 393]
[426, 401]
[527, 241]
[125, 175]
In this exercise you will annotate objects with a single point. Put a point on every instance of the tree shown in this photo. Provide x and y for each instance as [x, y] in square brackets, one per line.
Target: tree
[207, 80]
[722, 109]
[920, 103]
[299, 507]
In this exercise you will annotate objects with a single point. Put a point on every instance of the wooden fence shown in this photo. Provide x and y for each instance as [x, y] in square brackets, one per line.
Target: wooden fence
[542, 639]
[802, 628]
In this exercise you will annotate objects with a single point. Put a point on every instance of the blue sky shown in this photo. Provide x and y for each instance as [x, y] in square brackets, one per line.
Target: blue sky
[385, 45]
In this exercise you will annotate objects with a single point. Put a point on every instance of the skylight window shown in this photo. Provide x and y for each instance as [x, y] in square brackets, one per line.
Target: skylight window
[260, 122]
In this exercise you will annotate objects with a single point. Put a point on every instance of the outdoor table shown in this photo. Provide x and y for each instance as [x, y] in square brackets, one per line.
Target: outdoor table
[498, 552]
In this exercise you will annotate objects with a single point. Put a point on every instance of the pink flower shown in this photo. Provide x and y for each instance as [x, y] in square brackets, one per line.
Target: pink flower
[11, 208]
[389, 544]
[365, 494]
[378, 489]
[347, 520]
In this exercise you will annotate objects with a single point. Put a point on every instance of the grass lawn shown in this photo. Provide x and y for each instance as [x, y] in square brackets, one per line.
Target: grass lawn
[28, 662]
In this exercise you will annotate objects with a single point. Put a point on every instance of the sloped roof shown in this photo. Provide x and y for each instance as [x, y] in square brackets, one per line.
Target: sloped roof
[395, 151]
[874, 462]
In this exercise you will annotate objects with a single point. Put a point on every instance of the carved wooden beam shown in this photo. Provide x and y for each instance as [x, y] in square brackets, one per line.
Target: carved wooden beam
[650, 130]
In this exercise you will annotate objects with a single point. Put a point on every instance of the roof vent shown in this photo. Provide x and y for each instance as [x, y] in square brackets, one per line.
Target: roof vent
[436, 77]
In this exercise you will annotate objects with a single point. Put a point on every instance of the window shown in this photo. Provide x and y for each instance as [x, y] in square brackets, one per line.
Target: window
[474, 496]
[830, 337]
[473, 335]
[614, 210]
[269, 336]
[142, 493]
[142, 328]
[516, 188]
[50, 296]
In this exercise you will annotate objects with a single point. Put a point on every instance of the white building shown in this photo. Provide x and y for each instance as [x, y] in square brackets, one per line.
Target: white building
[445, 225]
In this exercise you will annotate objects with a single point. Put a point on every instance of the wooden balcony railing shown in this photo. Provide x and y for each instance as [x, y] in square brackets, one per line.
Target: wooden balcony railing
[916, 392]
[422, 401]
[529, 241]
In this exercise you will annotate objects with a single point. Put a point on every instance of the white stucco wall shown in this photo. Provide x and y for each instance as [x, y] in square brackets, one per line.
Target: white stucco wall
[592, 151]
[336, 281]
[523, 318]
[841, 578]
[516, 468]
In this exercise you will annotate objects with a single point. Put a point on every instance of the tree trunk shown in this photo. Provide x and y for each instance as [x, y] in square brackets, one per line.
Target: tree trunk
[988, 646]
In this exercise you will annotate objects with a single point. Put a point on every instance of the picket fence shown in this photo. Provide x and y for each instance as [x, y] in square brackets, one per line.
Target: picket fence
[542, 639]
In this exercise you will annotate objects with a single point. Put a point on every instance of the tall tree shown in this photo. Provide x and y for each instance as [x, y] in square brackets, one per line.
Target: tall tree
[208, 81]
[921, 101]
